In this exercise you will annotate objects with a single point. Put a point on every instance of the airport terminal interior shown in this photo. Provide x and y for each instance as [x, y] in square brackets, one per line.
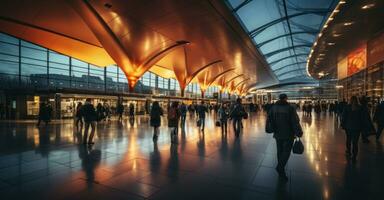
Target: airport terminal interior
[191, 99]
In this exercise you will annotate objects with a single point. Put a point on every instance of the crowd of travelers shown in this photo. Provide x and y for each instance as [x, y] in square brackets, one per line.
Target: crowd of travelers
[282, 120]
[177, 113]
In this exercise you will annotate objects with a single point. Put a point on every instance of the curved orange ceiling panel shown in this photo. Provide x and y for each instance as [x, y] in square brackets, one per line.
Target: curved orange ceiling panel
[137, 34]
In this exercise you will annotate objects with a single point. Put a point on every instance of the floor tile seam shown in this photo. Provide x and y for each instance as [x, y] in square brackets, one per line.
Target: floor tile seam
[131, 193]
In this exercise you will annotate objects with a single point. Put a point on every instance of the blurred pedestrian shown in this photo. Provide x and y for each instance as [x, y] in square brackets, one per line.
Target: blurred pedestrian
[155, 119]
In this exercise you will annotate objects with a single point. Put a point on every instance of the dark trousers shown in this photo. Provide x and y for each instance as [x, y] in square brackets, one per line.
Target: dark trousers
[224, 126]
[352, 142]
[284, 148]
[91, 124]
[236, 125]
[379, 131]
[202, 123]
[79, 121]
[182, 118]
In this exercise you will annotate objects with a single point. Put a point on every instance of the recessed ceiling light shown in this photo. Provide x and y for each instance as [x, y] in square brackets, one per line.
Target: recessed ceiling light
[336, 35]
[348, 23]
[342, 2]
[368, 6]
[331, 43]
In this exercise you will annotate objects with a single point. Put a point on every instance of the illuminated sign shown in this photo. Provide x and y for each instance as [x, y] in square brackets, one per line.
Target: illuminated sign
[356, 61]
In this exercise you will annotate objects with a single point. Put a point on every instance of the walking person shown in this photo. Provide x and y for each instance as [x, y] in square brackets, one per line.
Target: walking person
[286, 126]
[100, 112]
[120, 111]
[368, 125]
[378, 118]
[90, 118]
[223, 117]
[43, 114]
[79, 116]
[183, 114]
[131, 111]
[237, 114]
[352, 120]
[201, 113]
[173, 121]
[155, 119]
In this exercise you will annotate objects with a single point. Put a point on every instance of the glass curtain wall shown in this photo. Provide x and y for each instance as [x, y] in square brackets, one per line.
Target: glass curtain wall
[26, 65]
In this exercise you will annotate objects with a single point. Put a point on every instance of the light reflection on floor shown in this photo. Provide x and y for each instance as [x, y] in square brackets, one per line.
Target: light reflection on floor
[47, 163]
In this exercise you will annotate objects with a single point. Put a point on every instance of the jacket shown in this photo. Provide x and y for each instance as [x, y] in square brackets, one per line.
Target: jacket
[155, 120]
[89, 113]
[352, 119]
[201, 110]
[223, 115]
[237, 112]
[285, 121]
[378, 117]
[173, 121]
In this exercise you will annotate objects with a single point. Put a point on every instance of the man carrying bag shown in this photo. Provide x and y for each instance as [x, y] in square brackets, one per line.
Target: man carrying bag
[284, 123]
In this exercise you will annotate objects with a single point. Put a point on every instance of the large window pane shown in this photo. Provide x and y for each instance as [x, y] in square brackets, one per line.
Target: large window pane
[9, 49]
[33, 53]
[8, 39]
[58, 58]
[7, 67]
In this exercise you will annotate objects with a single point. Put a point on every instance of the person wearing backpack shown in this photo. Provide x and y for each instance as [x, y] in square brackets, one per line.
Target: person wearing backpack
[173, 120]
[237, 114]
[285, 127]
[155, 121]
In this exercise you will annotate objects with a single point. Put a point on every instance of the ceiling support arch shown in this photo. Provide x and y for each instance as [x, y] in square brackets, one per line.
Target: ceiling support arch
[296, 63]
[286, 35]
[206, 79]
[290, 71]
[269, 54]
[287, 57]
[253, 33]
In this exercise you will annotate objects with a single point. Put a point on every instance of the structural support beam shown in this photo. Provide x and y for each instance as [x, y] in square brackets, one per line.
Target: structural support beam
[269, 54]
[233, 78]
[286, 35]
[245, 2]
[190, 77]
[290, 71]
[296, 63]
[243, 81]
[205, 83]
[287, 57]
[258, 30]
[113, 44]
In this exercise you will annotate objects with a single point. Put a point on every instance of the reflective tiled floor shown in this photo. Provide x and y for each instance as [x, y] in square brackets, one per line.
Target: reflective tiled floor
[47, 163]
